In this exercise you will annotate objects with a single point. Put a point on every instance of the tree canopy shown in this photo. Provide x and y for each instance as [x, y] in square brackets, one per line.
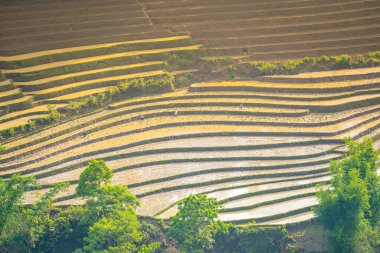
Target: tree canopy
[195, 224]
[96, 174]
[349, 207]
[21, 226]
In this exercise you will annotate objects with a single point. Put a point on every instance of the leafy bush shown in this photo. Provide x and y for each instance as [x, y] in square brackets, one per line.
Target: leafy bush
[253, 239]
[143, 86]
[54, 114]
[2, 149]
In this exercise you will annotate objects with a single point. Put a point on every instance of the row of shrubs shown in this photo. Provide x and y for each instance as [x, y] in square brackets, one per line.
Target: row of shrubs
[125, 89]
[53, 116]
[290, 67]
[131, 88]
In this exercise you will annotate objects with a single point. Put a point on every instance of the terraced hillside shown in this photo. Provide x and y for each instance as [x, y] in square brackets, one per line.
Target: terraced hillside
[274, 29]
[56, 77]
[259, 147]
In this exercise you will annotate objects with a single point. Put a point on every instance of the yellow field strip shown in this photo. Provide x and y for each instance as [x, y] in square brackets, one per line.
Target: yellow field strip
[333, 73]
[96, 58]
[15, 101]
[37, 110]
[18, 122]
[94, 71]
[321, 85]
[106, 79]
[80, 94]
[73, 49]
[9, 92]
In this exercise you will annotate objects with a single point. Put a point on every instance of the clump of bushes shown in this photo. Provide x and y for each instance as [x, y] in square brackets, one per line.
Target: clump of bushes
[290, 67]
[254, 239]
[53, 116]
[143, 86]
[2, 149]
[128, 88]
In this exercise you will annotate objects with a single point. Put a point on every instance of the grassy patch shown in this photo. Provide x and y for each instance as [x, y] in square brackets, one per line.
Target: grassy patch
[291, 67]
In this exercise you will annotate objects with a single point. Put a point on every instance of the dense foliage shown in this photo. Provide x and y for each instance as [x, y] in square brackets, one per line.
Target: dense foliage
[96, 174]
[195, 225]
[252, 239]
[2, 149]
[350, 207]
[21, 227]
[107, 221]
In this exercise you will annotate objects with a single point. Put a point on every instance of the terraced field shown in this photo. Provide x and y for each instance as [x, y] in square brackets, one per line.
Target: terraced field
[274, 29]
[56, 77]
[260, 147]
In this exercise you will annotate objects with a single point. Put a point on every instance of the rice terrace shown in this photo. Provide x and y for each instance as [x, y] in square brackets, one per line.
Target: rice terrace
[252, 103]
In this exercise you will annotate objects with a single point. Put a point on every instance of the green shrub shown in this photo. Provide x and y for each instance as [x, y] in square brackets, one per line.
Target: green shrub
[11, 131]
[32, 125]
[2, 149]
[54, 114]
[253, 239]
[342, 62]
[265, 68]
[143, 86]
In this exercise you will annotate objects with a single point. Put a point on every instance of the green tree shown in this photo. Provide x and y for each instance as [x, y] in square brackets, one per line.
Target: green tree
[109, 199]
[11, 192]
[196, 224]
[22, 226]
[117, 232]
[96, 174]
[349, 207]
